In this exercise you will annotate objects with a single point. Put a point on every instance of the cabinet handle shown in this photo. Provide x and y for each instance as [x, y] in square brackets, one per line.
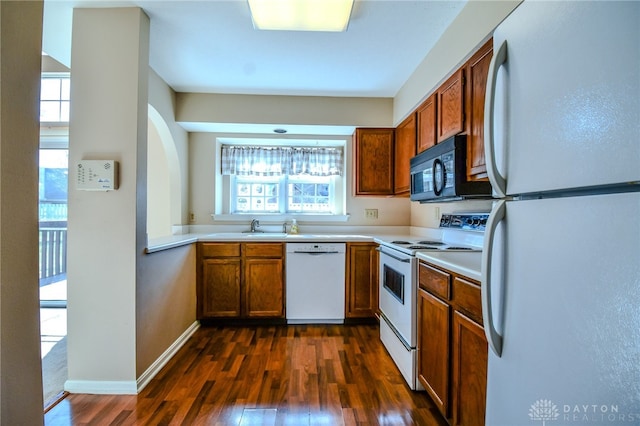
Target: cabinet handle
[493, 337]
[498, 182]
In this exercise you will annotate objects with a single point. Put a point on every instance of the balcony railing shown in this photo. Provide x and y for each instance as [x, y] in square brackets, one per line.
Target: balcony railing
[53, 251]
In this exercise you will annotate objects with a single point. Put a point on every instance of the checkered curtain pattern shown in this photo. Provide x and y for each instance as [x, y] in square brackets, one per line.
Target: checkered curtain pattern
[277, 161]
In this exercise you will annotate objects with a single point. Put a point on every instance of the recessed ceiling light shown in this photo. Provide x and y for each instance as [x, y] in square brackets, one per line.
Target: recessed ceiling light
[301, 15]
[279, 130]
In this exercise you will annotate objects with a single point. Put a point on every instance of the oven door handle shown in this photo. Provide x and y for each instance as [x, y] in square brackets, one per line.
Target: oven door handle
[405, 260]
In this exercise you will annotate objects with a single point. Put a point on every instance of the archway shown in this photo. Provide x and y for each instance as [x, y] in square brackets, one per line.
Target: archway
[164, 203]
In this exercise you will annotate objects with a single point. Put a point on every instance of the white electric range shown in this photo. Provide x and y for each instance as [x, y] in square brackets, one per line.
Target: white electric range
[398, 291]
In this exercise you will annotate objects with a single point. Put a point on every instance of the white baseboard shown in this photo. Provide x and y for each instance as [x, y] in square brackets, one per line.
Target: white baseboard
[155, 368]
[130, 387]
[101, 387]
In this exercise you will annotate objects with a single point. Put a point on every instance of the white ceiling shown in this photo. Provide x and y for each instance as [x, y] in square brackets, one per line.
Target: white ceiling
[211, 46]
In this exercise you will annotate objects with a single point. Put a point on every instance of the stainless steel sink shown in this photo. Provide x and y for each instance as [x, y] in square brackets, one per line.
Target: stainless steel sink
[248, 235]
[265, 234]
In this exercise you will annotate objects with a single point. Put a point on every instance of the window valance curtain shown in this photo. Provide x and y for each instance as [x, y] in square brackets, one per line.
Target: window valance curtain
[277, 161]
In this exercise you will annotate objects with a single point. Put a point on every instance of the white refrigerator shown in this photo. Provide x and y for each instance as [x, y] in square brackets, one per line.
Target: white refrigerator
[561, 261]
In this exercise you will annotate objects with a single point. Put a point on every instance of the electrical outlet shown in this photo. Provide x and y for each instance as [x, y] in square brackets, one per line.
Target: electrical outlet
[436, 213]
[192, 217]
[371, 213]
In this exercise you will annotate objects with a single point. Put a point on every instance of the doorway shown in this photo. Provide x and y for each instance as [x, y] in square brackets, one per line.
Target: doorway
[53, 188]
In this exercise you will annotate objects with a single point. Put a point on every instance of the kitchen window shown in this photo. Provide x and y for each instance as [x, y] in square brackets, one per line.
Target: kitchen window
[283, 194]
[282, 180]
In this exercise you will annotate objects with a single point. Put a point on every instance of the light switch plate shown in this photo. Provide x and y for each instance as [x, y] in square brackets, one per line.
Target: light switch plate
[371, 213]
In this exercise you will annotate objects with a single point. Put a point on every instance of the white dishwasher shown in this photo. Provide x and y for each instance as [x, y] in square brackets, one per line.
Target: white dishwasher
[315, 283]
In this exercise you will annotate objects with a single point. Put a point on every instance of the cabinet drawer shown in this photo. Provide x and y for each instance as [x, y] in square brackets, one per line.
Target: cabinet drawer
[220, 249]
[434, 280]
[466, 296]
[263, 249]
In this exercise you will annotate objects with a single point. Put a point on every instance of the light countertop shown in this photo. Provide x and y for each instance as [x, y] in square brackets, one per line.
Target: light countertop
[463, 263]
[164, 243]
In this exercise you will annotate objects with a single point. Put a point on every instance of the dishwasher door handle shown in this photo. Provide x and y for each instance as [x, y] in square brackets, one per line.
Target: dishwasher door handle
[315, 252]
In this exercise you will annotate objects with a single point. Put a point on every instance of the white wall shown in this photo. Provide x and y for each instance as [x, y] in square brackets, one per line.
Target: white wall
[125, 307]
[166, 280]
[20, 368]
[158, 186]
[163, 104]
[166, 303]
[107, 230]
[294, 110]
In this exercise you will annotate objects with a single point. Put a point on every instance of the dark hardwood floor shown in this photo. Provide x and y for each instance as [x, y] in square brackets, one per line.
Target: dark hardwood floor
[267, 375]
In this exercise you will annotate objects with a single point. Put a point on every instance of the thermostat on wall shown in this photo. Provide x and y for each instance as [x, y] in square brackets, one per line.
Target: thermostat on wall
[97, 175]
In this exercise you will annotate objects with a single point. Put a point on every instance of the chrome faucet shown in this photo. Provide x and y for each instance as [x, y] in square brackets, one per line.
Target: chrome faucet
[255, 224]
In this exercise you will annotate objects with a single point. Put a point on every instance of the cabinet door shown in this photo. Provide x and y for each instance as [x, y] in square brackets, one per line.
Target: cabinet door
[362, 281]
[426, 122]
[373, 161]
[405, 148]
[264, 287]
[433, 348]
[470, 352]
[219, 289]
[451, 106]
[477, 71]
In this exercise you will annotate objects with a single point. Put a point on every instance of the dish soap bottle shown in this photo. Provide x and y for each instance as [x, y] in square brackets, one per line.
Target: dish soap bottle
[294, 226]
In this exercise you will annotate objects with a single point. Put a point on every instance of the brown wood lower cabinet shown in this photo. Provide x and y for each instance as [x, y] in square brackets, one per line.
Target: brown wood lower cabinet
[264, 289]
[246, 280]
[452, 348]
[240, 280]
[361, 286]
[469, 371]
[433, 348]
[219, 288]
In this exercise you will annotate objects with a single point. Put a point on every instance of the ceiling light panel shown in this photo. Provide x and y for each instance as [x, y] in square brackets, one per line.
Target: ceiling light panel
[301, 15]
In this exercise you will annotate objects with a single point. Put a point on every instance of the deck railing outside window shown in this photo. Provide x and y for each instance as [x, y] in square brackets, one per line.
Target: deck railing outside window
[53, 251]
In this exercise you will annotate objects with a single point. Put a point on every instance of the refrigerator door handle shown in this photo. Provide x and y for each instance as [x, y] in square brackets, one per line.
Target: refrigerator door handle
[498, 182]
[493, 337]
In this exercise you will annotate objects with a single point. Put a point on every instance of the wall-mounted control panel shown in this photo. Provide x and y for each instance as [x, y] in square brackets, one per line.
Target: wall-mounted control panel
[97, 175]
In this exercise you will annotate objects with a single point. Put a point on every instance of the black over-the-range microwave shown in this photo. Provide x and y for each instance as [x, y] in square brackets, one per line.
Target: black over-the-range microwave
[440, 174]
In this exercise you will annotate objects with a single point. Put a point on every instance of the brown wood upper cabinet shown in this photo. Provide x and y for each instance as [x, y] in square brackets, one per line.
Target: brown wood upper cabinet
[374, 161]
[477, 69]
[426, 115]
[451, 106]
[442, 114]
[457, 106]
[405, 148]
